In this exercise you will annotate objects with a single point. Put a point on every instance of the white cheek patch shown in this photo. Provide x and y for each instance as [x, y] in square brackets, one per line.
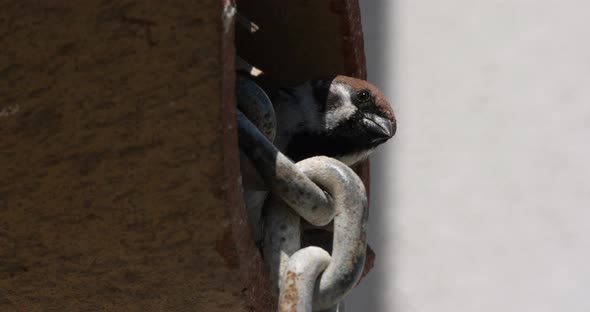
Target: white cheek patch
[342, 112]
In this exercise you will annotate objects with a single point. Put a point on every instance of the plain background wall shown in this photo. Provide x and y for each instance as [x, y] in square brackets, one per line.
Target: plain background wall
[482, 200]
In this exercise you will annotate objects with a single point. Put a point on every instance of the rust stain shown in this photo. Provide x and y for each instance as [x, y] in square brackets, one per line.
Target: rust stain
[369, 263]
[290, 293]
[226, 248]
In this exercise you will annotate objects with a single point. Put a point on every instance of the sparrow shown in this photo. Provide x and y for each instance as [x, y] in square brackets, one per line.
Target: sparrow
[338, 116]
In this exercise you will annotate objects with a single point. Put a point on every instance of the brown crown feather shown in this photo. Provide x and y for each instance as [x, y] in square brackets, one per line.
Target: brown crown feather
[380, 100]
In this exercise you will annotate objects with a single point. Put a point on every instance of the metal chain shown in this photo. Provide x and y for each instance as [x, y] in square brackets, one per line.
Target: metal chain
[319, 190]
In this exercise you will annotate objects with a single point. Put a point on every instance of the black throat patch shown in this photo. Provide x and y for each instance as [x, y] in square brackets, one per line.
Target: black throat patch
[309, 144]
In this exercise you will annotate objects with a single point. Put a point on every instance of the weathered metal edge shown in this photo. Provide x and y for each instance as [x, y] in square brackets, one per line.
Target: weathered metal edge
[252, 274]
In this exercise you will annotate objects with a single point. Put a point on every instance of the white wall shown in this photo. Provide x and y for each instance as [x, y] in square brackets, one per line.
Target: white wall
[482, 200]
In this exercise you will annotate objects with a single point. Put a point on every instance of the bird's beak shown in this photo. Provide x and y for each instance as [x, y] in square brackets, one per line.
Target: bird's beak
[381, 128]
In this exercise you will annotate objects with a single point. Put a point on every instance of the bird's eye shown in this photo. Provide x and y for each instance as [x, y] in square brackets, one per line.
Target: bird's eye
[363, 96]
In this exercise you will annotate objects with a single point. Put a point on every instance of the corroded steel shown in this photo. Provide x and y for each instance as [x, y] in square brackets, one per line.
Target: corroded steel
[299, 278]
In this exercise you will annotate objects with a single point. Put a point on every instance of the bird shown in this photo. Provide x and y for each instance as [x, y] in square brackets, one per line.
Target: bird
[337, 116]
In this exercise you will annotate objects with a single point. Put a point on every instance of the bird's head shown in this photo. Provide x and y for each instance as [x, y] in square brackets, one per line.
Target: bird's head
[341, 117]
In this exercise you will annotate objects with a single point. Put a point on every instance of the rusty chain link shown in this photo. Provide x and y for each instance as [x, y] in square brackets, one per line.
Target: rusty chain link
[319, 190]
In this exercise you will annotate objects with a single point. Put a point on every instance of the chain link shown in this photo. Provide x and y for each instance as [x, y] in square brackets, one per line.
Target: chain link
[319, 190]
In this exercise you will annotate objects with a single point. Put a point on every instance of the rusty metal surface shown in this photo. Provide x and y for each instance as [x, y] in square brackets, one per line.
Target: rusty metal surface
[300, 277]
[114, 191]
[102, 107]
